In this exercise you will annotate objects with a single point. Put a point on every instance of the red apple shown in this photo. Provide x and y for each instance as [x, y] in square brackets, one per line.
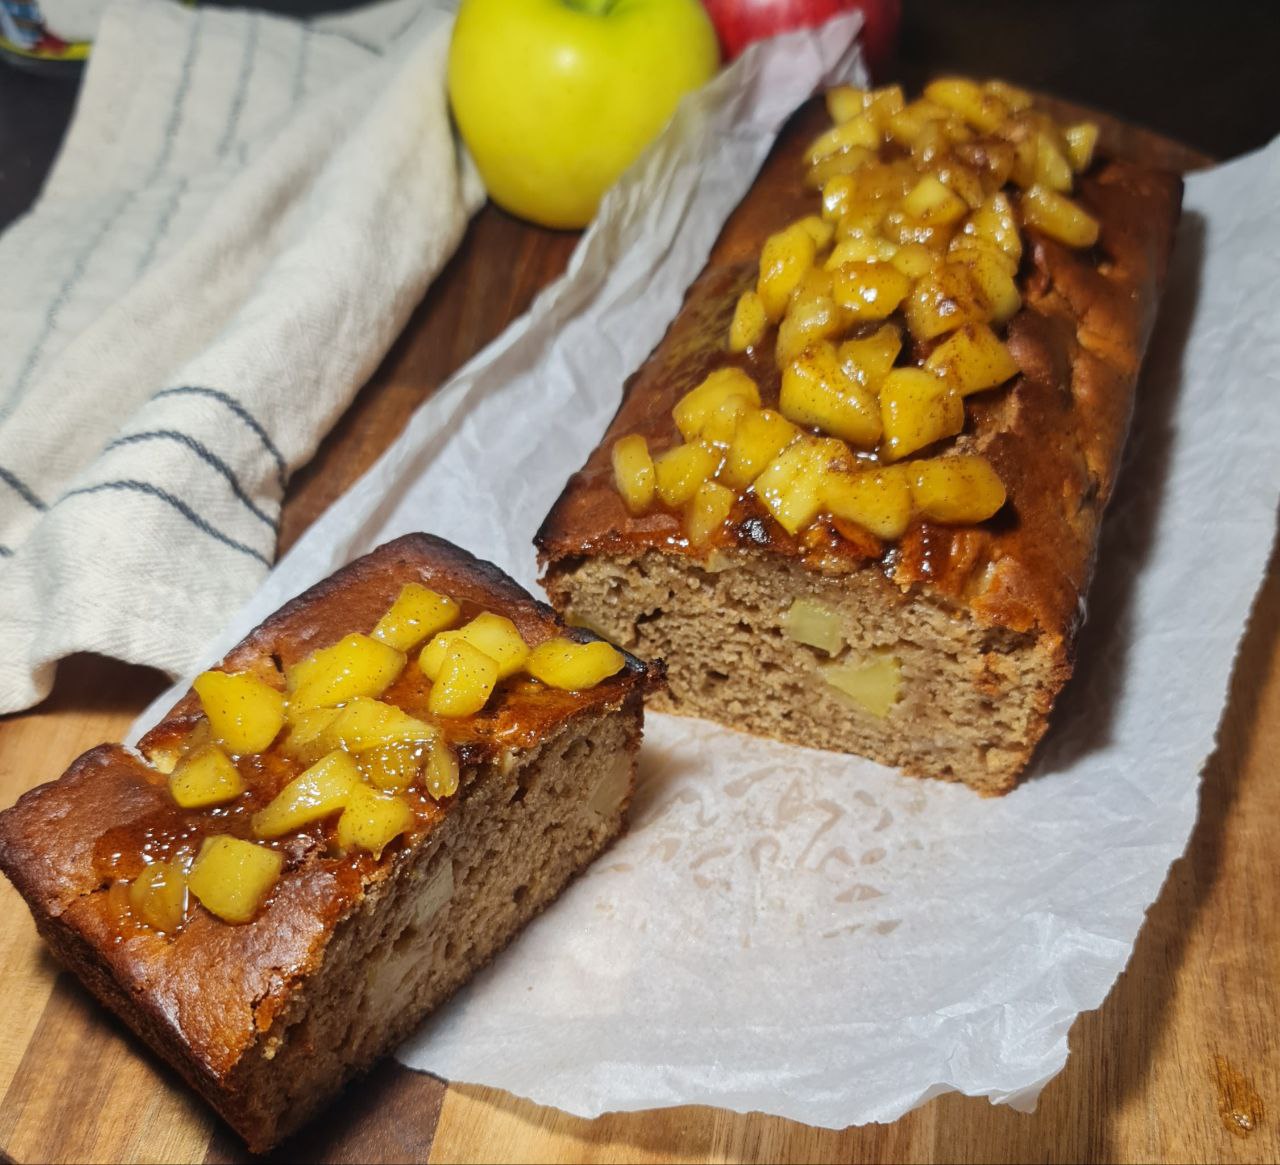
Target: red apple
[739, 22]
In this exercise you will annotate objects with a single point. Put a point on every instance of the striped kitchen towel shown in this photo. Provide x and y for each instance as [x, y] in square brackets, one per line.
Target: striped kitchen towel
[244, 213]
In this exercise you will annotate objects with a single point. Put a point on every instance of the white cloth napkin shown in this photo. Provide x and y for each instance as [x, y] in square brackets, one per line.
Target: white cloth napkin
[244, 213]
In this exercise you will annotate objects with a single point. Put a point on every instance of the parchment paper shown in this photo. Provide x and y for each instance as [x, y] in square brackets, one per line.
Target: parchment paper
[803, 933]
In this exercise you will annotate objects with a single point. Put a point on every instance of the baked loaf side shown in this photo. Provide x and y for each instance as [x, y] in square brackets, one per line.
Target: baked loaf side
[938, 646]
[349, 949]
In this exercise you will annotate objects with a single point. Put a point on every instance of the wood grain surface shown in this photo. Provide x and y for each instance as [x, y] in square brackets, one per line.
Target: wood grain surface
[1179, 1064]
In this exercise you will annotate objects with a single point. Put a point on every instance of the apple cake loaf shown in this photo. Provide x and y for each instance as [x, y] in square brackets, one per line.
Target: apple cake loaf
[326, 837]
[852, 498]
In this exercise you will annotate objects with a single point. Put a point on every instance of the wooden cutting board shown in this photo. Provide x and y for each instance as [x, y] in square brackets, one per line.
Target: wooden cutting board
[1180, 1063]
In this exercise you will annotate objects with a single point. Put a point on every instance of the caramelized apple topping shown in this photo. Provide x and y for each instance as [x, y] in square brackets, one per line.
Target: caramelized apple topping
[918, 235]
[360, 768]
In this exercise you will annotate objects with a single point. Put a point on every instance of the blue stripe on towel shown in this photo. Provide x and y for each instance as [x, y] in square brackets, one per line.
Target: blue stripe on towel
[163, 224]
[211, 459]
[242, 86]
[282, 470]
[145, 487]
[22, 489]
[299, 82]
[179, 100]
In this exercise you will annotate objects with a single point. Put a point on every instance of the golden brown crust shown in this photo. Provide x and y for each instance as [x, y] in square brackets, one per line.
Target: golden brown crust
[1054, 435]
[207, 995]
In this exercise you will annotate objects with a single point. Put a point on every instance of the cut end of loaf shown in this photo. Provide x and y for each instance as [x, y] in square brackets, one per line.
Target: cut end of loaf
[521, 833]
[906, 679]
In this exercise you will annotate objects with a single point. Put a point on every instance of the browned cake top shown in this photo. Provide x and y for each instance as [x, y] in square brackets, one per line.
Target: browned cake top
[1053, 434]
[73, 846]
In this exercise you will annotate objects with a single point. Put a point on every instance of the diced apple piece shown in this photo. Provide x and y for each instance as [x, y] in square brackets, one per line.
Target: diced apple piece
[1026, 152]
[900, 228]
[1052, 168]
[759, 437]
[955, 132]
[790, 487]
[862, 223]
[820, 231]
[845, 162]
[693, 409]
[572, 666]
[204, 778]
[963, 181]
[942, 301]
[995, 223]
[861, 248]
[499, 638]
[231, 877]
[996, 287]
[158, 896]
[808, 319]
[784, 259]
[366, 723]
[244, 713]
[393, 767]
[908, 124]
[930, 144]
[837, 195]
[417, 614]
[974, 253]
[860, 131]
[681, 470]
[308, 739]
[885, 101]
[868, 359]
[917, 409]
[357, 665]
[930, 202]
[1014, 98]
[464, 682]
[313, 795]
[707, 512]
[816, 391]
[877, 500]
[882, 182]
[372, 820]
[991, 162]
[816, 284]
[749, 323]
[972, 358]
[959, 490]
[914, 260]
[814, 624]
[1059, 217]
[723, 423]
[633, 472]
[442, 775]
[869, 291]
[845, 102]
[874, 685]
[1081, 141]
[982, 110]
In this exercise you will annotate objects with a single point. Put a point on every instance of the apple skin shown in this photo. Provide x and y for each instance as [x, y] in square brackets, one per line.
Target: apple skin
[739, 22]
[555, 98]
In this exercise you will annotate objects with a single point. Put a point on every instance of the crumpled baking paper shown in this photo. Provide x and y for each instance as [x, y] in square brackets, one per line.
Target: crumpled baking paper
[798, 932]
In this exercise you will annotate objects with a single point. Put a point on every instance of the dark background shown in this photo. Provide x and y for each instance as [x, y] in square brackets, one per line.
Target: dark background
[1205, 72]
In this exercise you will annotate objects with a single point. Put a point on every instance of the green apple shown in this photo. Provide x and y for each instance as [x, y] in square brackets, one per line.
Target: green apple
[555, 98]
